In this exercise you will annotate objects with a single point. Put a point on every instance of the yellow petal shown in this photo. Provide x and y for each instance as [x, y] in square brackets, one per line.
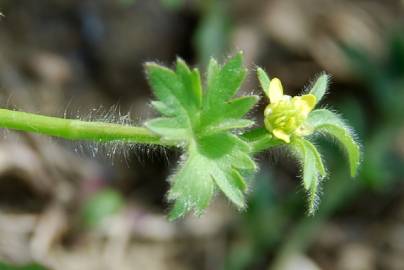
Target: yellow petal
[275, 91]
[304, 104]
[310, 100]
[280, 134]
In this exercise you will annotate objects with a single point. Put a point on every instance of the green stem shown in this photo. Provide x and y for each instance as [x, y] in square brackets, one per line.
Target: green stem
[72, 129]
[77, 129]
[260, 140]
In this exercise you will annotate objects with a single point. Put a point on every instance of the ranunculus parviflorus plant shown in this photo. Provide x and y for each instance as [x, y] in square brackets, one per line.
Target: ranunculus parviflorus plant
[207, 121]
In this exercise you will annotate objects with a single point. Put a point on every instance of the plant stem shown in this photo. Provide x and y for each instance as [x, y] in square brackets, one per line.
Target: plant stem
[72, 129]
[260, 140]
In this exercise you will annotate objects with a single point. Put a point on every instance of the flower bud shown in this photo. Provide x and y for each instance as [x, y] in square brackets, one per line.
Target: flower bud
[286, 116]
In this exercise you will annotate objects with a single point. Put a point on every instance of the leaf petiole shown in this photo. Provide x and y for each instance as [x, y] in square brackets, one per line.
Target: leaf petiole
[73, 129]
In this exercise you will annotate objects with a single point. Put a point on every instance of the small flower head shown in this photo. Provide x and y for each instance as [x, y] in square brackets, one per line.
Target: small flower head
[285, 115]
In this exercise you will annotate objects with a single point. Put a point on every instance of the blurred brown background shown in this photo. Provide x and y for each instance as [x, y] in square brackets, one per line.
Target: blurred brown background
[79, 205]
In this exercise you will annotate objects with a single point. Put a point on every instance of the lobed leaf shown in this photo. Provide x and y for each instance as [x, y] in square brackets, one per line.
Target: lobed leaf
[169, 128]
[162, 108]
[325, 121]
[180, 92]
[192, 187]
[210, 163]
[203, 122]
[230, 186]
[243, 162]
[239, 182]
[224, 82]
[224, 154]
[191, 81]
[166, 87]
[212, 72]
[228, 124]
[239, 107]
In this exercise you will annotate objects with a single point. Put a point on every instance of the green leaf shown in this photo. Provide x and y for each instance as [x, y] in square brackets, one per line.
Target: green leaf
[224, 155]
[162, 108]
[224, 83]
[312, 167]
[239, 182]
[193, 185]
[244, 162]
[208, 164]
[166, 87]
[319, 88]
[230, 185]
[228, 124]
[203, 123]
[238, 107]
[180, 98]
[180, 208]
[212, 72]
[178, 91]
[264, 80]
[327, 122]
[196, 86]
[169, 128]
[191, 81]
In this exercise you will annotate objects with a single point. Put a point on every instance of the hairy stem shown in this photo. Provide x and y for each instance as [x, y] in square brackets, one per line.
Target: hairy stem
[72, 129]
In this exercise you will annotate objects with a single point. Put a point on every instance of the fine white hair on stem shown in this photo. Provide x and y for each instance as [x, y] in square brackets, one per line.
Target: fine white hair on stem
[118, 151]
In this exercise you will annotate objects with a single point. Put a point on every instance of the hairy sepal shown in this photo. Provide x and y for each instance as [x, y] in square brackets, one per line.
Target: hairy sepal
[264, 80]
[328, 122]
[320, 86]
[203, 122]
[312, 169]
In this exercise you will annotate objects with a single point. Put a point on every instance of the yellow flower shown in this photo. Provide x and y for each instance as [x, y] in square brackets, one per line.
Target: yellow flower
[285, 115]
